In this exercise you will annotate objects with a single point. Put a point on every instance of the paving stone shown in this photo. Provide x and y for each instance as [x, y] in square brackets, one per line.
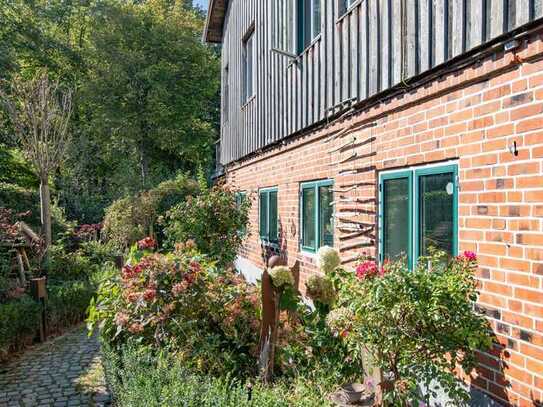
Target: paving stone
[54, 374]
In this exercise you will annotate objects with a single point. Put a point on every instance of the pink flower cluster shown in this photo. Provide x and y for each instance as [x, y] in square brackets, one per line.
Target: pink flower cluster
[147, 244]
[130, 272]
[369, 269]
[470, 256]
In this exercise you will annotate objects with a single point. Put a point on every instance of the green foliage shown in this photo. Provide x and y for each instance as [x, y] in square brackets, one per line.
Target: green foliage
[15, 170]
[153, 86]
[179, 302]
[99, 254]
[213, 220]
[418, 325]
[131, 219]
[69, 265]
[309, 349]
[18, 323]
[22, 200]
[147, 100]
[139, 379]
[67, 303]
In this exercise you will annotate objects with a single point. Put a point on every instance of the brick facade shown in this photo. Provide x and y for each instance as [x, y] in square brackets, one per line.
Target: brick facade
[473, 115]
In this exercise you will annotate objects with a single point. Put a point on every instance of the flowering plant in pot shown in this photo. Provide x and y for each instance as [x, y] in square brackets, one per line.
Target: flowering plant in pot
[418, 325]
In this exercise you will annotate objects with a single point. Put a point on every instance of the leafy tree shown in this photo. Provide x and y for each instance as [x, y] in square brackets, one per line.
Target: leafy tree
[146, 102]
[150, 88]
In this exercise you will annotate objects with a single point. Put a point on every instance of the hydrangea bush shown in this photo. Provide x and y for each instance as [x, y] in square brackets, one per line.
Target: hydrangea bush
[179, 302]
[281, 277]
[418, 325]
[328, 259]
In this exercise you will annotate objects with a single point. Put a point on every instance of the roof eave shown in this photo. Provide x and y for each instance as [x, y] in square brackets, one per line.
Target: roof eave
[216, 14]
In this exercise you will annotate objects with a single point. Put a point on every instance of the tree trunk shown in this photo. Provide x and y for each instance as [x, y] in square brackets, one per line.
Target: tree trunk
[45, 200]
[144, 164]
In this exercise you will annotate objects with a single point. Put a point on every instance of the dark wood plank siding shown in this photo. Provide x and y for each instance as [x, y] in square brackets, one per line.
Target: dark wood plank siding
[375, 45]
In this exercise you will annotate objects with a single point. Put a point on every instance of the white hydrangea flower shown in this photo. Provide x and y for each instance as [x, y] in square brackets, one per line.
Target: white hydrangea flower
[281, 276]
[328, 259]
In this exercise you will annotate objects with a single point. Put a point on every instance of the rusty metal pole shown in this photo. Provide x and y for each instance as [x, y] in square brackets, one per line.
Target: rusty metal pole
[38, 289]
[270, 322]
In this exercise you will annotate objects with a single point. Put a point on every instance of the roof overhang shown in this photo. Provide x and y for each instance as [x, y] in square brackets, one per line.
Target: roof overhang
[216, 14]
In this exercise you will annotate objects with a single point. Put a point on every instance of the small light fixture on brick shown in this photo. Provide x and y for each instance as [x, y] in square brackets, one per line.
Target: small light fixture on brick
[513, 149]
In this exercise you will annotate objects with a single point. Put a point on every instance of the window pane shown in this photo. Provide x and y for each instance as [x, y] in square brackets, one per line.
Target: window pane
[308, 218]
[326, 225]
[264, 215]
[250, 61]
[226, 94]
[244, 73]
[273, 217]
[316, 18]
[436, 198]
[396, 218]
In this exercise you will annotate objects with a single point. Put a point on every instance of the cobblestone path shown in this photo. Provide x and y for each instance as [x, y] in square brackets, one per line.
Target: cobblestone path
[66, 371]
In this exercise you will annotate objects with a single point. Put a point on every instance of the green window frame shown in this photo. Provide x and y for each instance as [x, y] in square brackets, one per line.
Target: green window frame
[268, 215]
[312, 215]
[309, 22]
[417, 214]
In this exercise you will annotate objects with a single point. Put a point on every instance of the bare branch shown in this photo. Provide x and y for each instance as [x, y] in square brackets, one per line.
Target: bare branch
[40, 111]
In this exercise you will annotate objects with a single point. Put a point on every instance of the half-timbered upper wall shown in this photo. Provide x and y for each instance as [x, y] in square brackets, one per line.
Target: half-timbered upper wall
[373, 46]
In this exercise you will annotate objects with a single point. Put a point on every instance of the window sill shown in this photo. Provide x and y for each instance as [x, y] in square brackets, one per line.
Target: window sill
[348, 12]
[248, 102]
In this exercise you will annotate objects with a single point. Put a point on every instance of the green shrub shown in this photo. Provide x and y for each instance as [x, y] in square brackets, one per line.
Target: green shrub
[22, 200]
[130, 219]
[19, 321]
[213, 220]
[139, 379]
[98, 253]
[15, 170]
[67, 303]
[418, 325]
[179, 302]
[66, 266]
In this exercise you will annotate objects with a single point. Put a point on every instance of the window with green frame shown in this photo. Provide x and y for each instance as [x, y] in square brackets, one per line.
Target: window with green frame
[418, 211]
[317, 215]
[268, 215]
[309, 22]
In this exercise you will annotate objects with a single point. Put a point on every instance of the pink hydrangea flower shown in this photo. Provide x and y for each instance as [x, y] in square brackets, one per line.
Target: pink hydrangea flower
[136, 328]
[121, 319]
[149, 294]
[147, 243]
[179, 288]
[369, 269]
[469, 255]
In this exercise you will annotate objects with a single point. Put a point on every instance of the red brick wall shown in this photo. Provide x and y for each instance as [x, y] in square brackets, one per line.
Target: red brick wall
[473, 116]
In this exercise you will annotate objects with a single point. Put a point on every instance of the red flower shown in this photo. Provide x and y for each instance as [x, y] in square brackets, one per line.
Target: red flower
[179, 288]
[136, 328]
[149, 294]
[147, 243]
[195, 266]
[470, 256]
[369, 269]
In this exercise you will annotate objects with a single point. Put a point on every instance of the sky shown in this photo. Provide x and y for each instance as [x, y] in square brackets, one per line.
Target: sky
[201, 3]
